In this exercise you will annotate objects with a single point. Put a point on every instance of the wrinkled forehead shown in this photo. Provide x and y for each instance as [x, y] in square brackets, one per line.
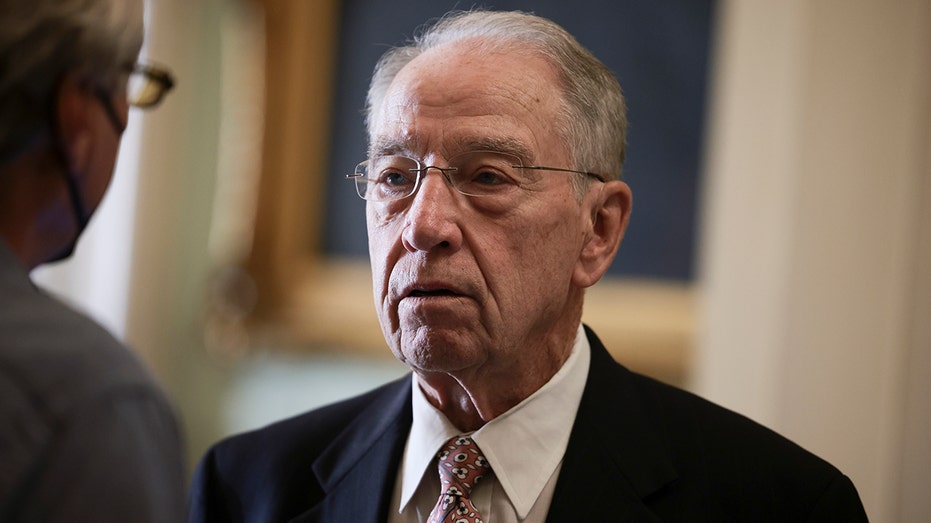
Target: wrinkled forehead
[412, 147]
[469, 96]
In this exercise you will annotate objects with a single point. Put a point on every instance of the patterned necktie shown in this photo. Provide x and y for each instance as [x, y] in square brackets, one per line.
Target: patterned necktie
[462, 466]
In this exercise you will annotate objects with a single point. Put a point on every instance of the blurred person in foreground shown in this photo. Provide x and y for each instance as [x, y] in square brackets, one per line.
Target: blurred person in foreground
[85, 433]
[494, 200]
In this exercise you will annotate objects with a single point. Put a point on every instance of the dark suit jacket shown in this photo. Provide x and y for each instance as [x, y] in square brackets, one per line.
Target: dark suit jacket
[639, 451]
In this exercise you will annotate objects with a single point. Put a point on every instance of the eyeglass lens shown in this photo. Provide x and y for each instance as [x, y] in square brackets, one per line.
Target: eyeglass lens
[475, 173]
[146, 87]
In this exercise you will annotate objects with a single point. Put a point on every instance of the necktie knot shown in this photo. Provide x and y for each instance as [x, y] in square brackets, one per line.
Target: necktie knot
[462, 465]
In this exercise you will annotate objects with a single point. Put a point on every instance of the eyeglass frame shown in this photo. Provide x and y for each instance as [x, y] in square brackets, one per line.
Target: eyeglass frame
[153, 73]
[422, 171]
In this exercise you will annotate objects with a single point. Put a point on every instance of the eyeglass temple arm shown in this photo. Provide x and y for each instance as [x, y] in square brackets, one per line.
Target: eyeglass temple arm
[596, 176]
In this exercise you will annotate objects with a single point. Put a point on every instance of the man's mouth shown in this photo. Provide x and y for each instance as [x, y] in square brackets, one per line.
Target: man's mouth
[419, 293]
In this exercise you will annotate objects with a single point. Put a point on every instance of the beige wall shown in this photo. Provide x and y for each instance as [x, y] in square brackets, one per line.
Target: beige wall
[814, 291]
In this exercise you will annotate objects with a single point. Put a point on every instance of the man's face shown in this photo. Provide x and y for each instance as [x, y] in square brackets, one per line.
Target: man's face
[100, 171]
[91, 127]
[460, 284]
[109, 127]
[109, 115]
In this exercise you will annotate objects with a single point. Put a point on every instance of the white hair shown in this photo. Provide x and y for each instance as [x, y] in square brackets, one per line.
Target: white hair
[593, 123]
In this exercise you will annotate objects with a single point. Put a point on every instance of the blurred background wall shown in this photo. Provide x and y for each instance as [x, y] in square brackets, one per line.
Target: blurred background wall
[807, 306]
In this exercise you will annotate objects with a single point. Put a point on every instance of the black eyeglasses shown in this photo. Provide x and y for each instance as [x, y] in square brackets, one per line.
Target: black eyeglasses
[146, 87]
[474, 173]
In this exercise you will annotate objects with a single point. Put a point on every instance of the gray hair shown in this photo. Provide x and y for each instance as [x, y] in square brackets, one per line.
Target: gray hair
[593, 123]
[43, 40]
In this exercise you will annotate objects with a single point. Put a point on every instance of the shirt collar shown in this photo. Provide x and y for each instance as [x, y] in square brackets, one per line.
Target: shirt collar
[524, 446]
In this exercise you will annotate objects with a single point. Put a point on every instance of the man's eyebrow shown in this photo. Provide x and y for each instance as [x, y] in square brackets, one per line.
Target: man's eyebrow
[386, 146]
[510, 146]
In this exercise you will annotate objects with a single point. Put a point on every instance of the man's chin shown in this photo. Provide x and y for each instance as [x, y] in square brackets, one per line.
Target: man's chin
[430, 350]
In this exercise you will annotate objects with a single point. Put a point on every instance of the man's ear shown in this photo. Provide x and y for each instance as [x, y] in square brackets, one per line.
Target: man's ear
[610, 212]
[72, 117]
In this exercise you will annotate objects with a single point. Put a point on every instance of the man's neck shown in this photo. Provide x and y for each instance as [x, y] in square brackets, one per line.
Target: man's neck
[472, 398]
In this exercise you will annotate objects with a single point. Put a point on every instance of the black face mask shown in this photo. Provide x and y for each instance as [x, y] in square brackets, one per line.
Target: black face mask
[81, 215]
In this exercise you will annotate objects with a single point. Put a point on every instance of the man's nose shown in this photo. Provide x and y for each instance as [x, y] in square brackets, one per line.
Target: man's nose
[433, 217]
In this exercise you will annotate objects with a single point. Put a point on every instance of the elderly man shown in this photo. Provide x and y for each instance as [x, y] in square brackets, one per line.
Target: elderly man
[85, 434]
[493, 201]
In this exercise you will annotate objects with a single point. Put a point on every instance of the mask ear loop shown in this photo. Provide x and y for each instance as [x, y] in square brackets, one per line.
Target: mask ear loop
[108, 108]
[81, 217]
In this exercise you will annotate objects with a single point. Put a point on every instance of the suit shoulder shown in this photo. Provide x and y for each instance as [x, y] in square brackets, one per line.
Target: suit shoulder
[268, 473]
[704, 441]
[686, 417]
[741, 465]
[304, 436]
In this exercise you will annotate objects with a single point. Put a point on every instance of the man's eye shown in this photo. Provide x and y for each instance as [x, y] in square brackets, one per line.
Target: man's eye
[488, 177]
[394, 178]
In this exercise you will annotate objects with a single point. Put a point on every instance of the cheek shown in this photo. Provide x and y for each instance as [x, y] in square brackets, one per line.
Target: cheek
[99, 176]
[377, 254]
[122, 108]
[544, 253]
[382, 242]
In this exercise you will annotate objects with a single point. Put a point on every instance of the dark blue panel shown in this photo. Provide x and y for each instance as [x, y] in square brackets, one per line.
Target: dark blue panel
[657, 49]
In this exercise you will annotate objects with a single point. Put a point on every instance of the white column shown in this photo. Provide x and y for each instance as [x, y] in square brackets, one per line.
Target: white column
[811, 273]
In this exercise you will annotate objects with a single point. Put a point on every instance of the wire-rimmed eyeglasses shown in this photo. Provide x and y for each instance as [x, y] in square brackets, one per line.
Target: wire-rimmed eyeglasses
[474, 173]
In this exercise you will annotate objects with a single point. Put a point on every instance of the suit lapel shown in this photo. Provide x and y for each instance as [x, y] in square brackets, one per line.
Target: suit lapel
[613, 460]
[358, 470]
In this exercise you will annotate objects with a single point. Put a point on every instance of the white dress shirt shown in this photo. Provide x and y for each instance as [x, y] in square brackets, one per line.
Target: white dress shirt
[524, 446]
